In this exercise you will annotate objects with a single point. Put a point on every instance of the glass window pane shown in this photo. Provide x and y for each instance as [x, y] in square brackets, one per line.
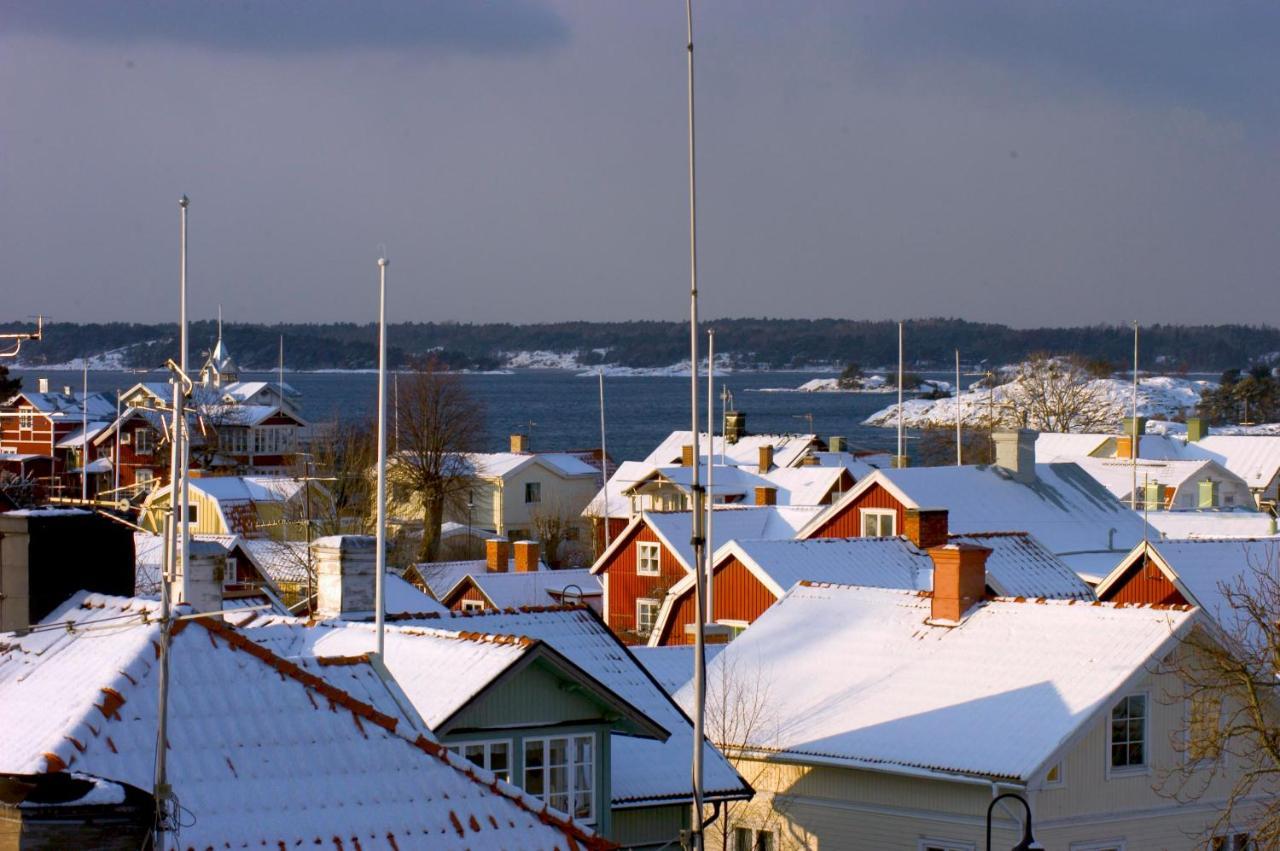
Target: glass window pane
[559, 752]
[558, 780]
[533, 754]
[498, 756]
[741, 839]
[559, 802]
[475, 753]
[1135, 754]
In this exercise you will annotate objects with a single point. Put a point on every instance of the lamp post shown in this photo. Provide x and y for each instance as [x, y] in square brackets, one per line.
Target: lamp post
[1028, 842]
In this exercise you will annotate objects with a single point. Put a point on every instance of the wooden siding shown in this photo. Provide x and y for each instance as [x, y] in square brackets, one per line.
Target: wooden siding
[468, 593]
[847, 523]
[1144, 583]
[625, 586]
[737, 596]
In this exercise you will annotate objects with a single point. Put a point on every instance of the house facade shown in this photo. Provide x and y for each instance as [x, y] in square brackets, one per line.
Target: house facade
[42, 436]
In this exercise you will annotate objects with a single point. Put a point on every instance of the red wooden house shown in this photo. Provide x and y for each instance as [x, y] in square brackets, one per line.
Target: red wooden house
[1194, 571]
[38, 430]
[654, 552]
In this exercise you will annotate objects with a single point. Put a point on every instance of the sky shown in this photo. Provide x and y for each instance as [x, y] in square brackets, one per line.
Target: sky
[1058, 162]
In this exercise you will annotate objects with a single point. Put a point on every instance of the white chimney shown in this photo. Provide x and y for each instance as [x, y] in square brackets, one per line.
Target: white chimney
[201, 586]
[1016, 453]
[42, 385]
[345, 572]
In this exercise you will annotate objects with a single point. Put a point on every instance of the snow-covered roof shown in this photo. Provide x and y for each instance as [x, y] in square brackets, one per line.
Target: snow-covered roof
[1058, 446]
[513, 589]
[283, 561]
[1116, 474]
[1020, 566]
[1212, 523]
[499, 465]
[441, 576]
[729, 523]
[1254, 458]
[1066, 509]
[788, 449]
[148, 558]
[69, 406]
[859, 677]
[77, 438]
[262, 750]
[1200, 569]
[627, 474]
[794, 485]
[672, 666]
[645, 771]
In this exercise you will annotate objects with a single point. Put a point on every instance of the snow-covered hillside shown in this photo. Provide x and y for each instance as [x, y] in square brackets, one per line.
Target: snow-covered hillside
[1159, 396]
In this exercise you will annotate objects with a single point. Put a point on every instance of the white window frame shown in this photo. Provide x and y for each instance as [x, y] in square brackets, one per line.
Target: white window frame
[926, 842]
[1229, 841]
[534, 490]
[738, 627]
[143, 475]
[1132, 770]
[459, 750]
[657, 606]
[755, 837]
[142, 442]
[653, 547]
[1104, 845]
[472, 605]
[880, 513]
[571, 740]
[26, 418]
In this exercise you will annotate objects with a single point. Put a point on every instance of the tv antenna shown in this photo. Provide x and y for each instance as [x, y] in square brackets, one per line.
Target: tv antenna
[19, 337]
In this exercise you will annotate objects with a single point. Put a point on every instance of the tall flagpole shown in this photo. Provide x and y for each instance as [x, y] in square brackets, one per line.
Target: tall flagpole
[180, 416]
[696, 539]
[711, 458]
[1133, 425]
[84, 432]
[115, 487]
[379, 588]
[959, 440]
[898, 461]
[604, 463]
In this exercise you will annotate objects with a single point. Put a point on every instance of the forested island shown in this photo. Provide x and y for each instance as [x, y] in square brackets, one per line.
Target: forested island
[743, 344]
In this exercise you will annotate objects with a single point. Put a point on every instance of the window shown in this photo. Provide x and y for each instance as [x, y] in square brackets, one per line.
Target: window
[944, 845]
[143, 476]
[234, 440]
[646, 615]
[193, 513]
[648, 561]
[143, 441]
[495, 756]
[1054, 776]
[1204, 714]
[26, 418]
[561, 771]
[736, 628]
[749, 839]
[1234, 842]
[879, 522]
[532, 492]
[1109, 845]
[1129, 733]
[472, 606]
[273, 440]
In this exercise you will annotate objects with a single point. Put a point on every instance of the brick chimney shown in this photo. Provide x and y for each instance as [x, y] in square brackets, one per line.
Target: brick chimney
[519, 443]
[526, 556]
[766, 495]
[1016, 453]
[686, 455]
[766, 458]
[925, 527]
[496, 554]
[345, 577]
[959, 580]
[201, 586]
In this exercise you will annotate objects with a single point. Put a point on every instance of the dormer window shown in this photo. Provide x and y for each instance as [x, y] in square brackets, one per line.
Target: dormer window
[26, 418]
[879, 522]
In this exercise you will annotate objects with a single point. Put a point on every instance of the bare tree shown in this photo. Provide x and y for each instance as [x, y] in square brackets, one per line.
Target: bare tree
[1058, 394]
[740, 717]
[1230, 743]
[556, 528]
[439, 423]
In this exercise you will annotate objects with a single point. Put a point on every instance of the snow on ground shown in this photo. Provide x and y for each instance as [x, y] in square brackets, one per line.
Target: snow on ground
[1158, 396]
[113, 360]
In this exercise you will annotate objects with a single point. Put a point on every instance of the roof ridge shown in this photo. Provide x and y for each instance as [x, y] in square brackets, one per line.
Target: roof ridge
[1171, 607]
[359, 708]
[517, 610]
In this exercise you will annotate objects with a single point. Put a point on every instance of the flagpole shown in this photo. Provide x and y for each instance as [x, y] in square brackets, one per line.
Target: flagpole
[711, 457]
[604, 464]
[379, 588]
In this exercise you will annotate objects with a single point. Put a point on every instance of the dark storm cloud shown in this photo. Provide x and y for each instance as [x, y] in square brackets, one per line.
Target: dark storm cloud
[1218, 57]
[274, 26]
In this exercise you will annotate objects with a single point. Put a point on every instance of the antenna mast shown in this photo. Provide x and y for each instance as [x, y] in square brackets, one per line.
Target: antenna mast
[1133, 424]
[899, 461]
[959, 437]
[711, 459]
[697, 539]
[604, 463]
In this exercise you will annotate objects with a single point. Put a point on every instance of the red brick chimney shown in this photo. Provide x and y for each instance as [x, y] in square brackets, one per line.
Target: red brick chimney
[526, 553]
[496, 554]
[686, 456]
[766, 496]
[766, 458]
[959, 580]
[925, 527]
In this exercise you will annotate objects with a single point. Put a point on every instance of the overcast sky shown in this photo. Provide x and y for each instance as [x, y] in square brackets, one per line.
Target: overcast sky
[1021, 162]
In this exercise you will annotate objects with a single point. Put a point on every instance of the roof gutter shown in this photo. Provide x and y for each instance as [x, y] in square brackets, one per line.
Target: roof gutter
[868, 765]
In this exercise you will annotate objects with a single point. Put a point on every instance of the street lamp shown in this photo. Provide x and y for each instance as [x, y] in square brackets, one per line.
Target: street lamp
[1028, 842]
